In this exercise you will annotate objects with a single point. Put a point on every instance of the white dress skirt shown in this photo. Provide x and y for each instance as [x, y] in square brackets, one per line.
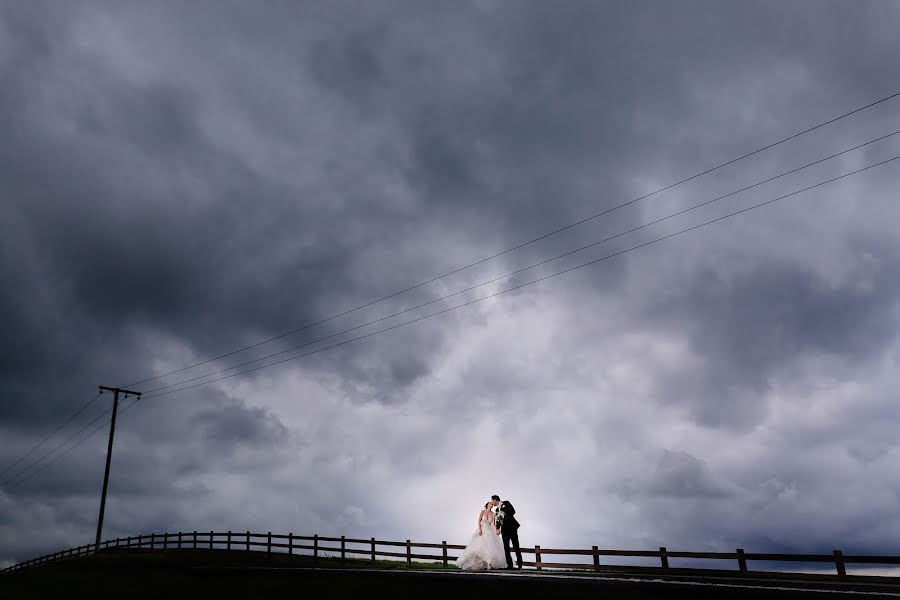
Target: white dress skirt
[483, 551]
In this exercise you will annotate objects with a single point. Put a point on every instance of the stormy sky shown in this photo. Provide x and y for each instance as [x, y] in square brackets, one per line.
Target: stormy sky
[181, 180]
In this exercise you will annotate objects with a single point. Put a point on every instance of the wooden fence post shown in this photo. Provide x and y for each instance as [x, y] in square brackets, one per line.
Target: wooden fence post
[444, 548]
[315, 548]
[343, 547]
[195, 539]
[742, 561]
[839, 563]
[373, 549]
[179, 539]
[596, 553]
[248, 540]
[408, 554]
[290, 543]
[166, 541]
[140, 540]
[152, 541]
[210, 540]
[269, 545]
[228, 547]
[537, 557]
[663, 557]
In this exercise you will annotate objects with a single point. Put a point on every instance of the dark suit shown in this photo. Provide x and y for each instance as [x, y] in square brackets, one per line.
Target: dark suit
[509, 529]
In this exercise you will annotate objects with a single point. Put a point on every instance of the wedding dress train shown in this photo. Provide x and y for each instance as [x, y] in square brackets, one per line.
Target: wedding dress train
[483, 551]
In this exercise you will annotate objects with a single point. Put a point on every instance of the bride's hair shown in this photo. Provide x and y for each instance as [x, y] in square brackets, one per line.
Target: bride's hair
[486, 504]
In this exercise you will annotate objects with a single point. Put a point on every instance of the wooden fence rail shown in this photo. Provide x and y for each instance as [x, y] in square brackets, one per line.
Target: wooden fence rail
[369, 549]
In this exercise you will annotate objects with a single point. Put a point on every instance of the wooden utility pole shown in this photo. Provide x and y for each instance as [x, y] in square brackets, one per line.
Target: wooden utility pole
[112, 432]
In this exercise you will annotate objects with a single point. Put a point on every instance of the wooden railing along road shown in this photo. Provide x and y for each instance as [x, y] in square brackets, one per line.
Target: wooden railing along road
[371, 549]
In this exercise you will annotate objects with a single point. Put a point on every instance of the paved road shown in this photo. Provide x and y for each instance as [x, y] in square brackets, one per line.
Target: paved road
[155, 579]
[529, 584]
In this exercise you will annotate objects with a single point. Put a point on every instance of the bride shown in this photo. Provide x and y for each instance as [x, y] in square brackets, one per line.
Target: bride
[485, 550]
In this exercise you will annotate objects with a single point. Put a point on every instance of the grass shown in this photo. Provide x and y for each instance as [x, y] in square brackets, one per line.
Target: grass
[203, 558]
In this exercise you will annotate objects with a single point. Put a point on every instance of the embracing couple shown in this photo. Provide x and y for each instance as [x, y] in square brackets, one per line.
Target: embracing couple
[496, 521]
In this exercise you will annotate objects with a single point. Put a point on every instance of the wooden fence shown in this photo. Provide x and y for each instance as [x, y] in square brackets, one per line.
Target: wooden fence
[372, 549]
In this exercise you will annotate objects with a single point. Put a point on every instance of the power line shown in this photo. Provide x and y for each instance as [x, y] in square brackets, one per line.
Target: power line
[60, 445]
[521, 270]
[527, 243]
[83, 440]
[591, 262]
[422, 318]
[55, 431]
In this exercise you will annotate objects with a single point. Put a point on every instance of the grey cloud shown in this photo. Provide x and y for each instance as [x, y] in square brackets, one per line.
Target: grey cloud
[751, 329]
[237, 424]
[681, 475]
[181, 180]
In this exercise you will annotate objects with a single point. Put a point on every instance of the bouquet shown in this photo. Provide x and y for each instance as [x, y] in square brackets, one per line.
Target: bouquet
[498, 518]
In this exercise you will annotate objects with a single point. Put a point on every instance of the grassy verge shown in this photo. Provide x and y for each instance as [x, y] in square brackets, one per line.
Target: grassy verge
[197, 558]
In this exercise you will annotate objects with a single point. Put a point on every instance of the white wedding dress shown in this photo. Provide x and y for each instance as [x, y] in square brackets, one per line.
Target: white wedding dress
[483, 551]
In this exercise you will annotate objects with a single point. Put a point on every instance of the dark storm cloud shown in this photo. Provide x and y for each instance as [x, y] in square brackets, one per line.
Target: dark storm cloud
[750, 329]
[181, 180]
[236, 424]
[126, 249]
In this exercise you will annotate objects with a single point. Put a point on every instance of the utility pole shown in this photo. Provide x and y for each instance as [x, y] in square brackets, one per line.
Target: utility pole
[112, 432]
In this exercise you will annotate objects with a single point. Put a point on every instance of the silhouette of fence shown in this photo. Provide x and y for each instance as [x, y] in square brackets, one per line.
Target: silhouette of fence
[316, 546]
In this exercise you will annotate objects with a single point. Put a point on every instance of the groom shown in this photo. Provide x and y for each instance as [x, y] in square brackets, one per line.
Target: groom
[509, 529]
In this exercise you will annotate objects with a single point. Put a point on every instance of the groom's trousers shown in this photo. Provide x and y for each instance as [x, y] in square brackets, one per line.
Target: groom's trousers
[511, 536]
